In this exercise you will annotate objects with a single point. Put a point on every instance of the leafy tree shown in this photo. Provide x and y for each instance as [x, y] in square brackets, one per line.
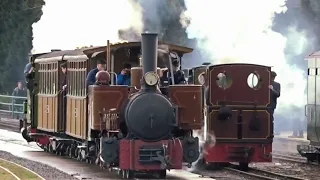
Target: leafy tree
[16, 19]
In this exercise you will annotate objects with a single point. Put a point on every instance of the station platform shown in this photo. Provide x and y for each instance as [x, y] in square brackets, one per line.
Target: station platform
[287, 135]
[285, 143]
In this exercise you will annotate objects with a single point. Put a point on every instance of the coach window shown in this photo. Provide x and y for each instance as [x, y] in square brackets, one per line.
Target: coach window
[69, 78]
[40, 78]
[46, 79]
[50, 78]
[55, 78]
[42, 75]
[77, 80]
[72, 79]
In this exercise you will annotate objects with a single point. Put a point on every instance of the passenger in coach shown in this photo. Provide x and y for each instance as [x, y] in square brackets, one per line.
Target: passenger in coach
[63, 67]
[275, 89]
[91, 78]
[124, 78]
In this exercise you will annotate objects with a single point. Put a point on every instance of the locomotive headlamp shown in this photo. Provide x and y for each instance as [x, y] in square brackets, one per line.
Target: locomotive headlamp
[151, 78]
[201, 79]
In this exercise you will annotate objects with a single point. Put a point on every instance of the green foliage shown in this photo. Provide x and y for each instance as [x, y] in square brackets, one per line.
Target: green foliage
[16, 19]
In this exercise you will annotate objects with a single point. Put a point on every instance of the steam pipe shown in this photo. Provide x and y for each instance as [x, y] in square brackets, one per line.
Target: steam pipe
[149, 46]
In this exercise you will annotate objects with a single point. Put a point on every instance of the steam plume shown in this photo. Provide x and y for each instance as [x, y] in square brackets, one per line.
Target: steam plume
[67, 24]
[241, 31]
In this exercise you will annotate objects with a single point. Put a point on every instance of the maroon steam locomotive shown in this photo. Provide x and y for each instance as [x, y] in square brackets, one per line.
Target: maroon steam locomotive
[236, 108]
[136, 128]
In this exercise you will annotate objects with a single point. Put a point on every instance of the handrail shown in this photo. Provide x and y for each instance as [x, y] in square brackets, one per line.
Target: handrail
[10, 107]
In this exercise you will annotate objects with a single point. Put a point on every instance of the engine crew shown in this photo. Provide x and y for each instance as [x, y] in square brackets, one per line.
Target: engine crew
[28, 71]
[178, 75]
[124, 78]
[275, 89]
[91, 78]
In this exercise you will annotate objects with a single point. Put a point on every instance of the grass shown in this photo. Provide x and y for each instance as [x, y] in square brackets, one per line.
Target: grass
[20, 172]
[5, 175]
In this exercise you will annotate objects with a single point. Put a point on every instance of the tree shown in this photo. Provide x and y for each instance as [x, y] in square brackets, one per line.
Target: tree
[16, 19]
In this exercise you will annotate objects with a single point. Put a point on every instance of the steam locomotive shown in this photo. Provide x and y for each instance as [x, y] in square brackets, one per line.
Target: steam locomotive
[135, 128]
[236, 113]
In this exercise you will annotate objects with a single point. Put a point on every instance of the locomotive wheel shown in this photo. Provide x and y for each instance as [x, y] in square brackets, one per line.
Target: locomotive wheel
[79, 155]
[162, 174]
[129, 174]
[70, 153]
[244, 166]
[123, 172]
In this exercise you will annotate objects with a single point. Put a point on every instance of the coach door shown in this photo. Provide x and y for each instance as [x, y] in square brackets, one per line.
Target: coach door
[48, 97]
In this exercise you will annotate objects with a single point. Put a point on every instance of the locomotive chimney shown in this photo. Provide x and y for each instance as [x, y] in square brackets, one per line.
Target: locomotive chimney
[149, 46]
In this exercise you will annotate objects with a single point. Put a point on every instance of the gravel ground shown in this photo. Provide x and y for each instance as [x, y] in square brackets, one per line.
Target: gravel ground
[290, 168]
[47, 172]
[226, 175]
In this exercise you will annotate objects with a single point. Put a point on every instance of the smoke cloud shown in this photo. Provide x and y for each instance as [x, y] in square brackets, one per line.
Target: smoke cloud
[241, 31]
[67, 24]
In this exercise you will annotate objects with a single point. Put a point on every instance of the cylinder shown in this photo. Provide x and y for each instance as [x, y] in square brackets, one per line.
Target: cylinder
[149, 46]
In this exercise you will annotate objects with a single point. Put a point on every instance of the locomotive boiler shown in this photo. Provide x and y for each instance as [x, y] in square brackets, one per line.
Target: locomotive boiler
[149, 115]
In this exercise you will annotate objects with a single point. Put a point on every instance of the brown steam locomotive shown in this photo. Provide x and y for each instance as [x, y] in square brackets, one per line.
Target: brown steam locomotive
[136, 128]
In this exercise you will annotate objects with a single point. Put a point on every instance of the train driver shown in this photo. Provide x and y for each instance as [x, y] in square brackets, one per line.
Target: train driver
[178, 75]
[91, 78]
[275, 92]
[124, 78]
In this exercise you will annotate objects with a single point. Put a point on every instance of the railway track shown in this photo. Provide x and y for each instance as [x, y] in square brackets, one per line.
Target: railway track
[294, 159]
[262, 174]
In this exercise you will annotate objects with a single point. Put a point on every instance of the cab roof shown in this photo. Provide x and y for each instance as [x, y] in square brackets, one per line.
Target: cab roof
[87, 52]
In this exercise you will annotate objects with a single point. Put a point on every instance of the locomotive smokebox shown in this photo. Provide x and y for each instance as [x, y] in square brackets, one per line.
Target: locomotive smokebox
[149, 45]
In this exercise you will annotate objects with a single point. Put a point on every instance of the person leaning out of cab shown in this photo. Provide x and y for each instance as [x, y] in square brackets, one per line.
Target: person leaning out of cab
[124, 78]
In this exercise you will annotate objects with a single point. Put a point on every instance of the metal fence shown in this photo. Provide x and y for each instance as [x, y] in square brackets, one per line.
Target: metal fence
[9, 107]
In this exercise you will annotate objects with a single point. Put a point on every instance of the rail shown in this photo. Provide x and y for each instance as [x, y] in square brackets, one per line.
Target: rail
[10, 108]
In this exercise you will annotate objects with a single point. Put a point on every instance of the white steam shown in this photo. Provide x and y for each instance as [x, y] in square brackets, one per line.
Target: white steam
[240, 31]
[67, 24]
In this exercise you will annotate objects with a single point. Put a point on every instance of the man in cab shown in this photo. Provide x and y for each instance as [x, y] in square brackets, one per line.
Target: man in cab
[275, 89]
[124, 78]
[91, 78]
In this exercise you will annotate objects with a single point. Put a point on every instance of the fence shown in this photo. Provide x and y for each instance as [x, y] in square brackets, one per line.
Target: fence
[10, 108]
